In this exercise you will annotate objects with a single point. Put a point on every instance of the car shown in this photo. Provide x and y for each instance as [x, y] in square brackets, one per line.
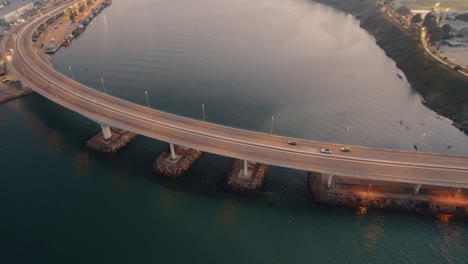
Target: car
[326, 151]
[6, 81]
[292, 142]
[7, 53]
[346, 149]
[52, 39]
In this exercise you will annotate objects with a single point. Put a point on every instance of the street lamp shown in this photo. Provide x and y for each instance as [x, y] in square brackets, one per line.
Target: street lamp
[203, 110]
[347, 132]
[147, 101]
[71, 72]
[103, 86]
[272, 122]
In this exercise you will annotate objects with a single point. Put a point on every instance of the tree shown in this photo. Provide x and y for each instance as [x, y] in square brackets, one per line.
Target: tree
[435, 34]
[430, 21]
[416, 18]
[404, 10]
[446, 31]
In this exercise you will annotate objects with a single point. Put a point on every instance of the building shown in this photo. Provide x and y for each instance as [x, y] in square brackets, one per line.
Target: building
[14, 10]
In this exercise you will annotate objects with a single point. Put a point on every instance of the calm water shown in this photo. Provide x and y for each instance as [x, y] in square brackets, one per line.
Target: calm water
[311, 67]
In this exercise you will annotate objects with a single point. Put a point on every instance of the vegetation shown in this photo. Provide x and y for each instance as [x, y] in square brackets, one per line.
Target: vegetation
[434, 32]
[403, 10]
[446, 31]
[416, 18]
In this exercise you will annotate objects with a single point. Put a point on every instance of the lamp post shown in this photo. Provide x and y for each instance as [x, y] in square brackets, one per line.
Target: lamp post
[71, 72]
[347, 132]
[147, 101]
[103, 86]
[272, 123]
[203, 110]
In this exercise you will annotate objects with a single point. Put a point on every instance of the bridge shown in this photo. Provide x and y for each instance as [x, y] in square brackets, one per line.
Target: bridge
[364, 163]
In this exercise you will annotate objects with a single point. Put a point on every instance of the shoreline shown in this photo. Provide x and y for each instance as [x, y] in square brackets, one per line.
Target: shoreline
[444, 90]
[11, 92]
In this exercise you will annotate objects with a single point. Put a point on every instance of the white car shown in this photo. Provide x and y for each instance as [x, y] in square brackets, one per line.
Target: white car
[326, 151]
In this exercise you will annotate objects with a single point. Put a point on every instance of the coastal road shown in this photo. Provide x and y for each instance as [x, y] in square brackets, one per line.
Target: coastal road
[365, 163]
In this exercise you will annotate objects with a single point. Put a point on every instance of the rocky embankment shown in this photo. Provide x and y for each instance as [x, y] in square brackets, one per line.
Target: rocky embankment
[164, 165]
[444, 90]
[321, 194]
[238, 183]
[120, 138]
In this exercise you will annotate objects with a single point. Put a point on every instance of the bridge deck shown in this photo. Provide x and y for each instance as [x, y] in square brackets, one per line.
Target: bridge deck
[362, 162]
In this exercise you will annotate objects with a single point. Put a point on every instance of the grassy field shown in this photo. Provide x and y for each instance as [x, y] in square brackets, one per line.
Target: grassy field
[428, 4]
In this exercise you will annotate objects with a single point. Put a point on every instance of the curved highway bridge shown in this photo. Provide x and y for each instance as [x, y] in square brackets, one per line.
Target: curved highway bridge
[365, 163]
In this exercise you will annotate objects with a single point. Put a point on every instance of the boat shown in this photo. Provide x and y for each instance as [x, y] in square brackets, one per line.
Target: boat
[400, 75]
[66, 43]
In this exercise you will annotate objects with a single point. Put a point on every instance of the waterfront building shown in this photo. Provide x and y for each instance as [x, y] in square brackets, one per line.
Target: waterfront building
[14, 10]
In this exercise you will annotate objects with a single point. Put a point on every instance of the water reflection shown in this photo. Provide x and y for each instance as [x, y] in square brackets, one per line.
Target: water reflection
[229, 213]
[82, 160]
[373, 232]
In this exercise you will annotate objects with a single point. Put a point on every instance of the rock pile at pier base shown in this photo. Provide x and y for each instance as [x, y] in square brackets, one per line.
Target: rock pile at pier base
[185, 157]
[120, 138]
[238, 182]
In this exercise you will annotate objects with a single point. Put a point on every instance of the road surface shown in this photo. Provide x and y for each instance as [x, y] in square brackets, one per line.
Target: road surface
[361, 162]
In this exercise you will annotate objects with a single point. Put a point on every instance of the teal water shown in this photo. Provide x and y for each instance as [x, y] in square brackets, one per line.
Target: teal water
[246, 61]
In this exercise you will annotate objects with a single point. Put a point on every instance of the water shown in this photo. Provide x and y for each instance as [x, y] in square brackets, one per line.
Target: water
[311, 67]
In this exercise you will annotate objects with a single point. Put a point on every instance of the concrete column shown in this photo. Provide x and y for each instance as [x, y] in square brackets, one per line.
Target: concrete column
[173, 155]
[245, 167]
[330, 178]
[416, 189]
[106, 131]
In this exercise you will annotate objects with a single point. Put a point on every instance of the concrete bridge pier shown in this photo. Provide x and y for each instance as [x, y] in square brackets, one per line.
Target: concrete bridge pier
[329, 182]
[246, 176]
[177, 161]
[106, 132]
[416, 189]
[173, 154]
[110, 139]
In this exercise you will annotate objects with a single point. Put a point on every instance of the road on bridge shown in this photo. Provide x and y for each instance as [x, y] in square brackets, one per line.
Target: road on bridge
[366, 163]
